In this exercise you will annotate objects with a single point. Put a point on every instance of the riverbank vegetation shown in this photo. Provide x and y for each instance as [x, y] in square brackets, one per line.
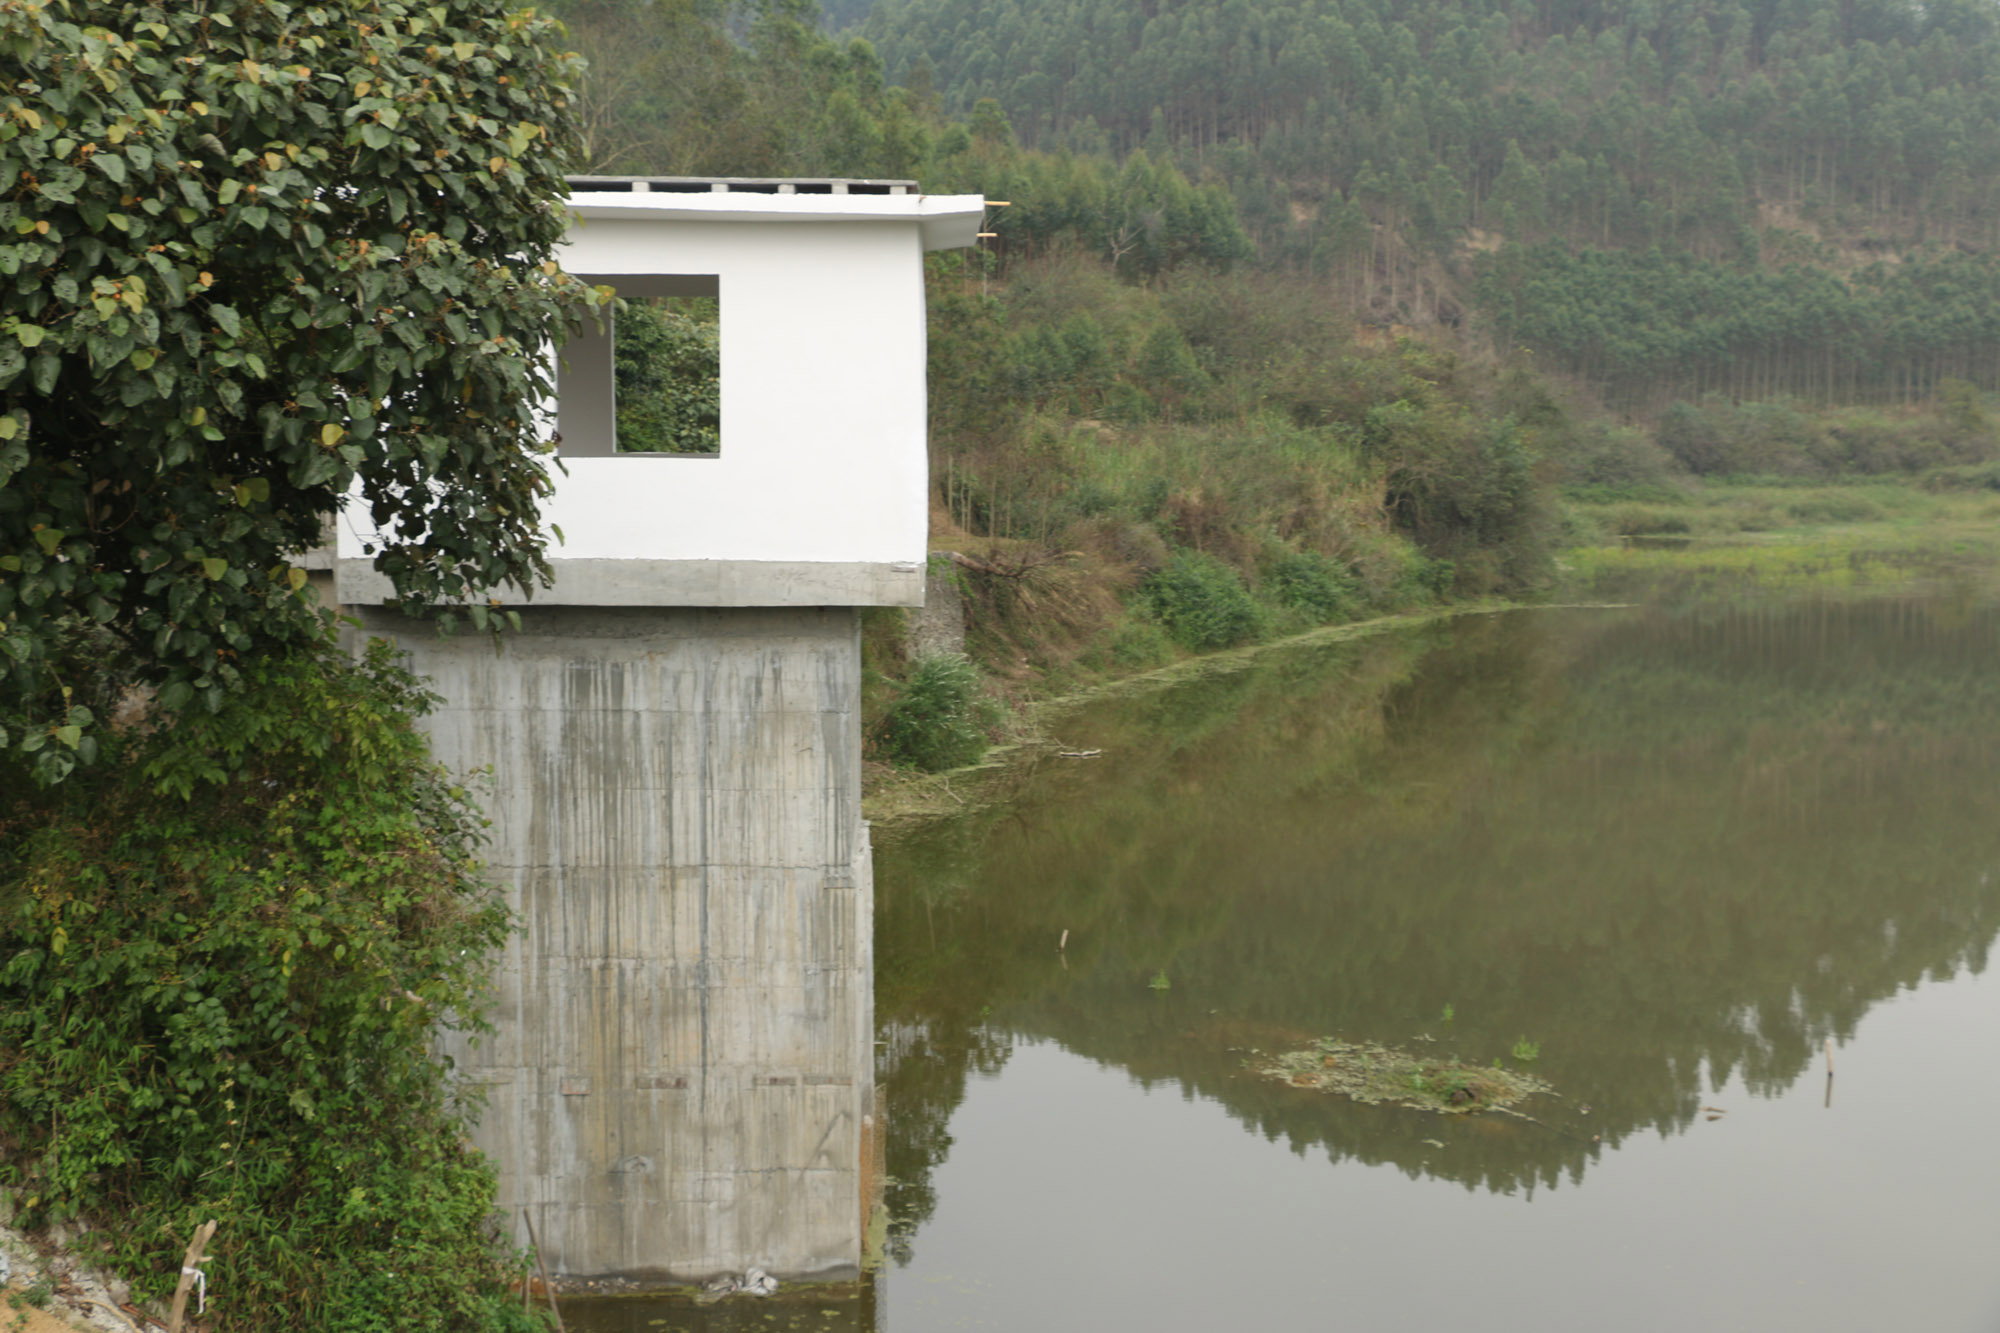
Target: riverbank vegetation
[236, 900]
[218, 999]
[1296, 316]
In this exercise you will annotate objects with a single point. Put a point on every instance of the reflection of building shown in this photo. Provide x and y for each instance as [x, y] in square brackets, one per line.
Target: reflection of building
[680, 1079]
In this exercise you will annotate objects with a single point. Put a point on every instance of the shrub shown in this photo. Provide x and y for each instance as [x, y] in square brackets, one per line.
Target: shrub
[1137, 643]
[1641, 520]
[1974, 477]
[939, 719]
[1465, 490]
[1437, 577]
[1617, 458]
[1834, 507]
[1422, 579]
[218, 1000]
[1203, 602]
[667, 367]
[1309, 582]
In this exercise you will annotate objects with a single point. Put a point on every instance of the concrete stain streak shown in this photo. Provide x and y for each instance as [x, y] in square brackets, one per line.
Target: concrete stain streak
[681, 1078]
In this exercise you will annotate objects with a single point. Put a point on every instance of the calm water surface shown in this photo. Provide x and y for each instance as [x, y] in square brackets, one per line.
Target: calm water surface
[1677, 849]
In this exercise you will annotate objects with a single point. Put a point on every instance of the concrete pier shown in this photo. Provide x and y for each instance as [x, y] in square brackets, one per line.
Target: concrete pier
[680, 1083]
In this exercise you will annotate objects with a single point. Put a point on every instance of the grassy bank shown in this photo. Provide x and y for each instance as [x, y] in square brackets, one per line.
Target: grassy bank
[896, 796]
[1128, 474]
[1889, 511]
[1747, 540]
[1734, 536]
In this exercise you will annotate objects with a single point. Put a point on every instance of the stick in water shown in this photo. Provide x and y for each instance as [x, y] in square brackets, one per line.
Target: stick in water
[542, 1264]
[1063, 943]
[1829, 1074]
[190, 1271]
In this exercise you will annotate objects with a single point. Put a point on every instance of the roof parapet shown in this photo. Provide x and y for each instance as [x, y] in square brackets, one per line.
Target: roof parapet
[945, 221]
[735, 185]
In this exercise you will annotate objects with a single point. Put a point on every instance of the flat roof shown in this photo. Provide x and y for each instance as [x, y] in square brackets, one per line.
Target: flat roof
[737, 185]
[945, 221]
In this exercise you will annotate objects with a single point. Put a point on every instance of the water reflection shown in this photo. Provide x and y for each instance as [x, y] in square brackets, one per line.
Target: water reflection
[1678, 848]
[834, 1308]
[1668, 847]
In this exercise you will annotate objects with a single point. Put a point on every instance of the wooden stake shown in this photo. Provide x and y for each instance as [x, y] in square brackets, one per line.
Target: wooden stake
[542, 1264]
[189, 1263]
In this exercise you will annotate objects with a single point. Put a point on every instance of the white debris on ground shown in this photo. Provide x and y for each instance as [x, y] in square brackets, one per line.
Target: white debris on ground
[85, 1299]
[755, 1282]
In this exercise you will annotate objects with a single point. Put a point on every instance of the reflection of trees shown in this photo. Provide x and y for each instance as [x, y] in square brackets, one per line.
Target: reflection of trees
[1669, 848]
[925, 1079]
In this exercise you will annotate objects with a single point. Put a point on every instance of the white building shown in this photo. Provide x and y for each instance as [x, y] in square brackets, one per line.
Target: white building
[817, 497]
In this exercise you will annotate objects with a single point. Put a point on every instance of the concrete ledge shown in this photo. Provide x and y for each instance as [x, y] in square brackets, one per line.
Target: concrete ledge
[945, 221]
[688, 583]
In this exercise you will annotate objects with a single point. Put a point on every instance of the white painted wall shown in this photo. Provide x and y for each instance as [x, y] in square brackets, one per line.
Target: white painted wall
[823, 399]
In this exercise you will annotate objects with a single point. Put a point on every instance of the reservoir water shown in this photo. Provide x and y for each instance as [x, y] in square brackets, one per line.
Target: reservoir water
[1665, 858]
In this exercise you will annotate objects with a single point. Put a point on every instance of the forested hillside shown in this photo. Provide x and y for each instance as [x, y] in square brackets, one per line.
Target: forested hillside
[1179, 446]
[1301, 311]
[1785, 197]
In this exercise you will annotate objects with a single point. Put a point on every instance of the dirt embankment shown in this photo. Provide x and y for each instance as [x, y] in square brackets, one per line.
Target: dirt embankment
[48, 1291]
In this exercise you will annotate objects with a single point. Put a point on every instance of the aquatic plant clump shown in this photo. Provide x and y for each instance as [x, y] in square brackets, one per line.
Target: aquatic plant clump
[1376, 1075]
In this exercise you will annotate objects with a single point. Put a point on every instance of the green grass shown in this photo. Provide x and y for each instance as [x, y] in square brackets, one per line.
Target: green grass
[1861, 535]
[1767, 508]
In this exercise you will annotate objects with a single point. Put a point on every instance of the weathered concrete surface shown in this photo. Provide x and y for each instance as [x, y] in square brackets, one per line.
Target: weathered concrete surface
[810, 583]
[681, 1082]
[939, 625]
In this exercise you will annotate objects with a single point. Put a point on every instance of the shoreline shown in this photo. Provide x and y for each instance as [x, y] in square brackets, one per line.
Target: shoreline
[1850, 559]
[895, 800]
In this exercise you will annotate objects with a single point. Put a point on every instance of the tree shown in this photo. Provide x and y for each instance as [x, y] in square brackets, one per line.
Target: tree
[257, 254]
[667, 369]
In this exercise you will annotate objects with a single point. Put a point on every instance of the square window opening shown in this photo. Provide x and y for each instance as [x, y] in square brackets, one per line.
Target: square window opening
[647, 378]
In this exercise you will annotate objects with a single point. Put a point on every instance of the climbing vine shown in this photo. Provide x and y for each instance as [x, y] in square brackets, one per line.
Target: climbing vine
[222, 1006]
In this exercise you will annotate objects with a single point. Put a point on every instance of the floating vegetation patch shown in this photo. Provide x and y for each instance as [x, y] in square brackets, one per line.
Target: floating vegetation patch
[1382, 1074]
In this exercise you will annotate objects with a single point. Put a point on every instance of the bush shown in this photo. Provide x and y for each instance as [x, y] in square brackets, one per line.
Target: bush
[1834, 507]
[224, 955]
[1309, 582]
[1136, 643]
[1640, 520]
[939, 719]
[667, 366]
[1465, 490]
[1976, 477]
[1615, 458]
[1692, 440]
[1203, 602]
[1436, 577]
